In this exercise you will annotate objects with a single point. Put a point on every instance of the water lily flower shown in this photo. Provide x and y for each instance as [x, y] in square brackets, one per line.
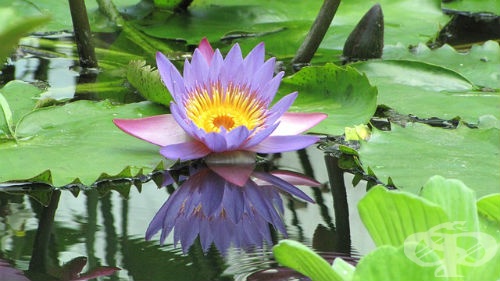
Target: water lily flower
[209, 205]
[222, 105]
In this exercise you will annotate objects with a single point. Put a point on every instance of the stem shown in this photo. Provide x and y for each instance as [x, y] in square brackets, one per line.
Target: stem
[83, 35]
[39, 254]
[317, 32]
[340, 205]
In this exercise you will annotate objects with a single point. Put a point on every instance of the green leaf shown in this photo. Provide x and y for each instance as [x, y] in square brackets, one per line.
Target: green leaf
[487, 270]
[343, 93]
[5, 119]
[13, 27]
[391, 263]
[473, 6]
[304, 260]
[78, 141]
[421, 89]
[480, 65]
[343, 268]
[148, 82]
[392, 216]
[489, 207]
[413, 154]
[457, 200]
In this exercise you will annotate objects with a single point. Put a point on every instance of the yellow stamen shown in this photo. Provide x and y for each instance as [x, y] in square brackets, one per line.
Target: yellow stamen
[212, 109]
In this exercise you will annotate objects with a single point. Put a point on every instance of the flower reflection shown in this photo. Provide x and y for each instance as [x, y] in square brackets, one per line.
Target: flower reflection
[223, 104]
[215, 204]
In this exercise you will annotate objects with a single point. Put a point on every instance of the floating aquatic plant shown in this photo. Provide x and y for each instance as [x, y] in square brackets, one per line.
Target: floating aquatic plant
[221, 105]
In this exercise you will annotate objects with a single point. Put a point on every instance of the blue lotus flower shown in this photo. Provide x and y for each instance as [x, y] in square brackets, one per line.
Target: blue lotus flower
[223, 105]
[227, 206]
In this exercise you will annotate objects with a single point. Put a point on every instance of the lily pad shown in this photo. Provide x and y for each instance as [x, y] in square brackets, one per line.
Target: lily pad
[78, 142]
[480, 65]
[409, 156]
[473, 6]
[343, 93]
[422, 89]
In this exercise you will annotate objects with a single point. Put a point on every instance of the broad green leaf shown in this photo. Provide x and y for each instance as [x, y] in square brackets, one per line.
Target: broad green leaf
[343, 268]
[148, 82]
[411, 155]
[390, 263]
[459, 203]
[304, 260]
[393, 216]
[486, 269]
[13, 27]
[457, 200]
[473, 6]
[421, 89]
[78, 142]
[5, 119]
[22, 98]
[489, 207]
[290, 20]
[481, 64]
[343, 93]
[59, 13]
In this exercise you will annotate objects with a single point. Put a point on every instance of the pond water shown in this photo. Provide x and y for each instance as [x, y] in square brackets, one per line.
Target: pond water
[102, 229]
[108, 228]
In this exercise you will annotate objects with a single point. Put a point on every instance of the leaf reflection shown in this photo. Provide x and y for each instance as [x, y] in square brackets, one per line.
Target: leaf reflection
[227, 205]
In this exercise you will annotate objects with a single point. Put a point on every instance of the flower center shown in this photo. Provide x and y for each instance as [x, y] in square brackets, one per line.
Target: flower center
[224, 121]
[232, 107]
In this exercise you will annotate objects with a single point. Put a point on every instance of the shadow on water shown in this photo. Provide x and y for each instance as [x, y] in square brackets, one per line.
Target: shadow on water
[102, 230]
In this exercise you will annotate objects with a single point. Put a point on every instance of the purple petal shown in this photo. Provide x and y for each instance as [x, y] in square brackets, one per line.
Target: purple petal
[263, 74]
[170, 76]
[283, 185]
[233, 202]
[281, 107]
[296, 178]
[296, 123]
[167, 213]
[259, 136]
[160, 129]
[185, 151]
[254, 59]
[236, 137]
[269, 89]
[199, 70]
[215, 67]
[212, 192]
[235, 174]
[275, 144]
[232, 64]
[206, 236]
[206, 50]
[215, 141]
[180, 117]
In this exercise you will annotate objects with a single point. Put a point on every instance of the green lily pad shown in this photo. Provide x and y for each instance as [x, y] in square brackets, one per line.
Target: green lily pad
[343, 93]
[78, 142]
[473, 6]
[480, 65]
[422, 89]
[409, 156]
